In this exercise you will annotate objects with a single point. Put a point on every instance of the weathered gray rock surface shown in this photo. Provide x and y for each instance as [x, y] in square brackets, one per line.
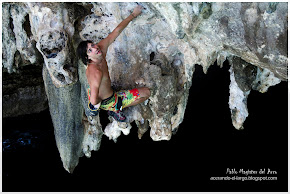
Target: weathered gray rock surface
[159, 50]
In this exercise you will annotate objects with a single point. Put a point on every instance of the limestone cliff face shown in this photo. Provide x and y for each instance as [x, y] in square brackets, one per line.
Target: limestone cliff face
[159, 50]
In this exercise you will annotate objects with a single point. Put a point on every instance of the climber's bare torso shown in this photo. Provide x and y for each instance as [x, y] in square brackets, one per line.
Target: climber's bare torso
[97, 73]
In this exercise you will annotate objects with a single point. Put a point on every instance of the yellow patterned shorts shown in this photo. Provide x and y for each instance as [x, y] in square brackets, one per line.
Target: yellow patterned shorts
[126, 96]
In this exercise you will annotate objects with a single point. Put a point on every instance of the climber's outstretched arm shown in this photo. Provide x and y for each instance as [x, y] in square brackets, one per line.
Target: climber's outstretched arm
[105, 43]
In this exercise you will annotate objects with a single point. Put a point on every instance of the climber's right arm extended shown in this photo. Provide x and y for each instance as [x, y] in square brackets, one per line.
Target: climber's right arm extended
[105, 43]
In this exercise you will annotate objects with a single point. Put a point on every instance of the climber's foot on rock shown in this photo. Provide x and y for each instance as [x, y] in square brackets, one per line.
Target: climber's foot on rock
[118, 116]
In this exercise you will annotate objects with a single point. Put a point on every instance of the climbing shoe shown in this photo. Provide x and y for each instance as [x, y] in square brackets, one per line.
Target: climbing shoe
[118, 115]
[94, 109]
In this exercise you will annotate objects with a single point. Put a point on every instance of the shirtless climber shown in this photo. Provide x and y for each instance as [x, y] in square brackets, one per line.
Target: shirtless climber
[100, 93]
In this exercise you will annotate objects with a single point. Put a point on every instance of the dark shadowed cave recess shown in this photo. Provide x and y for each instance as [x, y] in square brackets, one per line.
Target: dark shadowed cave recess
[205, 145]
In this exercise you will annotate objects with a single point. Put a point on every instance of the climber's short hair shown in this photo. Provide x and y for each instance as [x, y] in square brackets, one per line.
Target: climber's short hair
[82, 51]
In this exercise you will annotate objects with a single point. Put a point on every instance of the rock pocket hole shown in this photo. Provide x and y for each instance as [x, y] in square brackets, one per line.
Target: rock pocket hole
[60, 77]
[175, 110]
[11, 25]
[152, 55]
[27, 27]
[67, 67]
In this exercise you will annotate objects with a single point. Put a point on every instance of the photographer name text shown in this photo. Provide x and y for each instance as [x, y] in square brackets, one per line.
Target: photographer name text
[246, 172]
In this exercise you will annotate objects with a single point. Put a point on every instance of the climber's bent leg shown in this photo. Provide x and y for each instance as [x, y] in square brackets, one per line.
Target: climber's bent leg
[123, 99]
[139, 96]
